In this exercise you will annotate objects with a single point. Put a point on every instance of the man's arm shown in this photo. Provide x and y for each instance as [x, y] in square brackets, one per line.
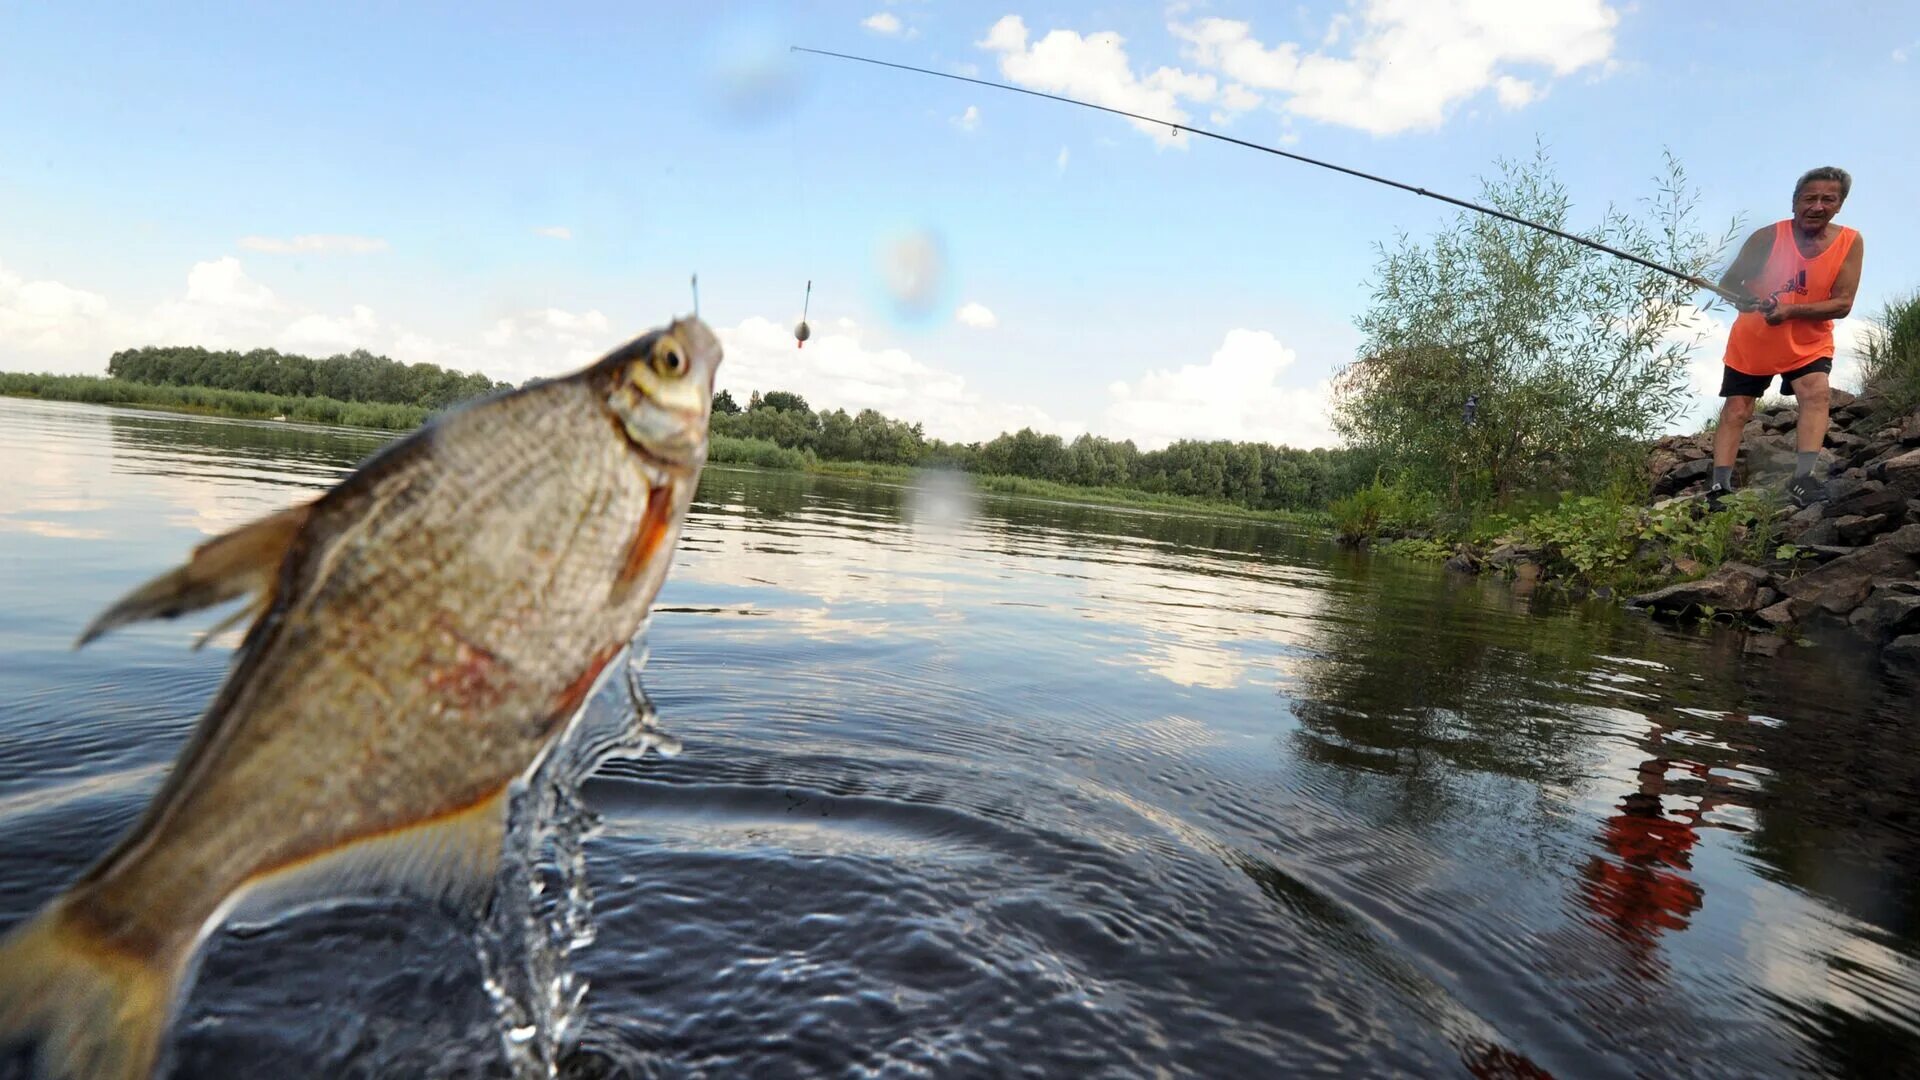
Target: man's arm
[1836, 306]
[1752, 258]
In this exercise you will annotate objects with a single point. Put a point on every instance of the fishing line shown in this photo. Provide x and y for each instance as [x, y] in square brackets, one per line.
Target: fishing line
[801, 332]
[1725, 294]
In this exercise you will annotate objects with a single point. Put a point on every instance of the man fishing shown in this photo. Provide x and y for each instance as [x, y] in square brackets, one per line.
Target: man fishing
[1794, 278]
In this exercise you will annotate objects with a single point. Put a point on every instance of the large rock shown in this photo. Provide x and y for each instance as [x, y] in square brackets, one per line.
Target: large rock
[1903, 473]
[1838, 399]
[1892, 609]
[1841, 585]
[1845, 444]
[1870, 497]
[1856, 530]
[1780, 419]
[1683, 475]
[1823, 532]
[1910, 429]
[1733, 587]
[1902, 652]
[1784, 613]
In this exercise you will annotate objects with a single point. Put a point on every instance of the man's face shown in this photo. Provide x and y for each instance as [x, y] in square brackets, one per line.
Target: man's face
[1816, 204]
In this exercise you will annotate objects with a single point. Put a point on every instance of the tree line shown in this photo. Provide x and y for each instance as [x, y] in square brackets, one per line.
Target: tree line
[1256, 475]
[358, 376]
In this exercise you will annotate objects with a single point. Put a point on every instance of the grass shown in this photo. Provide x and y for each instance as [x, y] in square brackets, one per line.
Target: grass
[1891, 359]
[207, 401]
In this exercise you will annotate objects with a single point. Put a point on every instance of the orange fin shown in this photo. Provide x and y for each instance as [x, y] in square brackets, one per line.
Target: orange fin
[654, 525]
[246, 560]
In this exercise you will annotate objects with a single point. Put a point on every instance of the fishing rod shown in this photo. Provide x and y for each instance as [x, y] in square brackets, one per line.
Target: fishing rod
[1725, 294]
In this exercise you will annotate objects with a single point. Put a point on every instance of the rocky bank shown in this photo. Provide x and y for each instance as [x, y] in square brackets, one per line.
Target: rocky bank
[1858, 563]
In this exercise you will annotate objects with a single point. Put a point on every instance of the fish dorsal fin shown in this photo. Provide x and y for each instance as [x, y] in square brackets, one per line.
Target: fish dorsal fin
[450, 860]
[246, 560]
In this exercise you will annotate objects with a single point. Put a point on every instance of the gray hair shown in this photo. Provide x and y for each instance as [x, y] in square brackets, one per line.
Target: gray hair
[1825, 172]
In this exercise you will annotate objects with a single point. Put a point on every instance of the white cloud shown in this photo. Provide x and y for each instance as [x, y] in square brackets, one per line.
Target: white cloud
[325, 335]
[1515, 93]
[976, 315]
[47, 316]
[1407, 64]
[1900, 54]
[1095, 68]
[222, 283]
[968, 121]
[48, 325]
[554, 232]
[1060, 162]
[545, 341]
[222, 308]
[314, 244]
[1236, 394]
[838, 369]
[885, 23]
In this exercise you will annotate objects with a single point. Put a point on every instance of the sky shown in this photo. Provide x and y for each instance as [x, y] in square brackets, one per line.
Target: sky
[516, 189]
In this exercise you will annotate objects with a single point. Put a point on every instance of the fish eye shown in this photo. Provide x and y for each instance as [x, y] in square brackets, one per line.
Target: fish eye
[668, 358]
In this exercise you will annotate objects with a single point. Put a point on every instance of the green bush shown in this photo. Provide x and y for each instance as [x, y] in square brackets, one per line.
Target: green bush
[1382, 507]
[760, 453]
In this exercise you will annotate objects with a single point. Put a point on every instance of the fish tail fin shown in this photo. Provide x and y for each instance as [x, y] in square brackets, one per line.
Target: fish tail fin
[246, 560]
[94, 1011]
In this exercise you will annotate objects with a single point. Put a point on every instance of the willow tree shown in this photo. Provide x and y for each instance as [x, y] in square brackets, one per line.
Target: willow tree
[1498, 358]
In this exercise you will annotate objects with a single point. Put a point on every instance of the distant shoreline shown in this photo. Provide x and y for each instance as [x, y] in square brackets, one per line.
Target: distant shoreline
[722, 449]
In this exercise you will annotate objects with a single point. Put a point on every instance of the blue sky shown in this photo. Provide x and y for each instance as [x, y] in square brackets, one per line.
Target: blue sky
[515, 190]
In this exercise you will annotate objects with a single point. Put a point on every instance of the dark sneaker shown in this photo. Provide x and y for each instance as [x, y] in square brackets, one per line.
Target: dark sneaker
[1714, 495]
[1805, 491]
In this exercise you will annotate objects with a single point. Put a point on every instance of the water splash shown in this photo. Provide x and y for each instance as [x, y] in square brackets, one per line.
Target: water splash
[542, 911]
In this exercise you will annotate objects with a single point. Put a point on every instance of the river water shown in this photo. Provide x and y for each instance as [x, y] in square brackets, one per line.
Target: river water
[982, 786]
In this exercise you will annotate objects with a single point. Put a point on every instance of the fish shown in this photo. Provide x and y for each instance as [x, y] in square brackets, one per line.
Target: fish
[421, 634]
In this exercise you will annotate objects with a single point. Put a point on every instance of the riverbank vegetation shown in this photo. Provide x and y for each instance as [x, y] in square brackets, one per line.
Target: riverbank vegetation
[242, 404]
[778, 430]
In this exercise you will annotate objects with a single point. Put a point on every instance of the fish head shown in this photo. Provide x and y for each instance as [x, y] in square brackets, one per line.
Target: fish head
[661, 390]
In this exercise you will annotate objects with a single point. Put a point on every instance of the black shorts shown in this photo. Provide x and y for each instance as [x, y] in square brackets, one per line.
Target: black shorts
[1740, 384]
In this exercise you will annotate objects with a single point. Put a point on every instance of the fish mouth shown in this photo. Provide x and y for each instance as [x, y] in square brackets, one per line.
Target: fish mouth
[661, 436]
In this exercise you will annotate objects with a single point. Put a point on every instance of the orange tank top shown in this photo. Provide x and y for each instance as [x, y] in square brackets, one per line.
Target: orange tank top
[1756, 348]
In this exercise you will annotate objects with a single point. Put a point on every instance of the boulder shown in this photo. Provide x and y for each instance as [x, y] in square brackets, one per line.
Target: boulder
[1902, 473]
[1784, 613]
[1780, 419]
[1842, 488]
[1841, 585]
[1682, 475]
[1889, 611]
[1763, 644]
[1902, 652]
[1733, 587]
[1856, 530]
[1910, 429]
[1821, 533]
[1463, 562]
[1507, 555]
[1866, 498]
[1845, 445]
[1838, 399]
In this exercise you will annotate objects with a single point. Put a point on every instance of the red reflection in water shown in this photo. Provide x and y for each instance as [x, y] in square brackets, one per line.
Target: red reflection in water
[1642, 887]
